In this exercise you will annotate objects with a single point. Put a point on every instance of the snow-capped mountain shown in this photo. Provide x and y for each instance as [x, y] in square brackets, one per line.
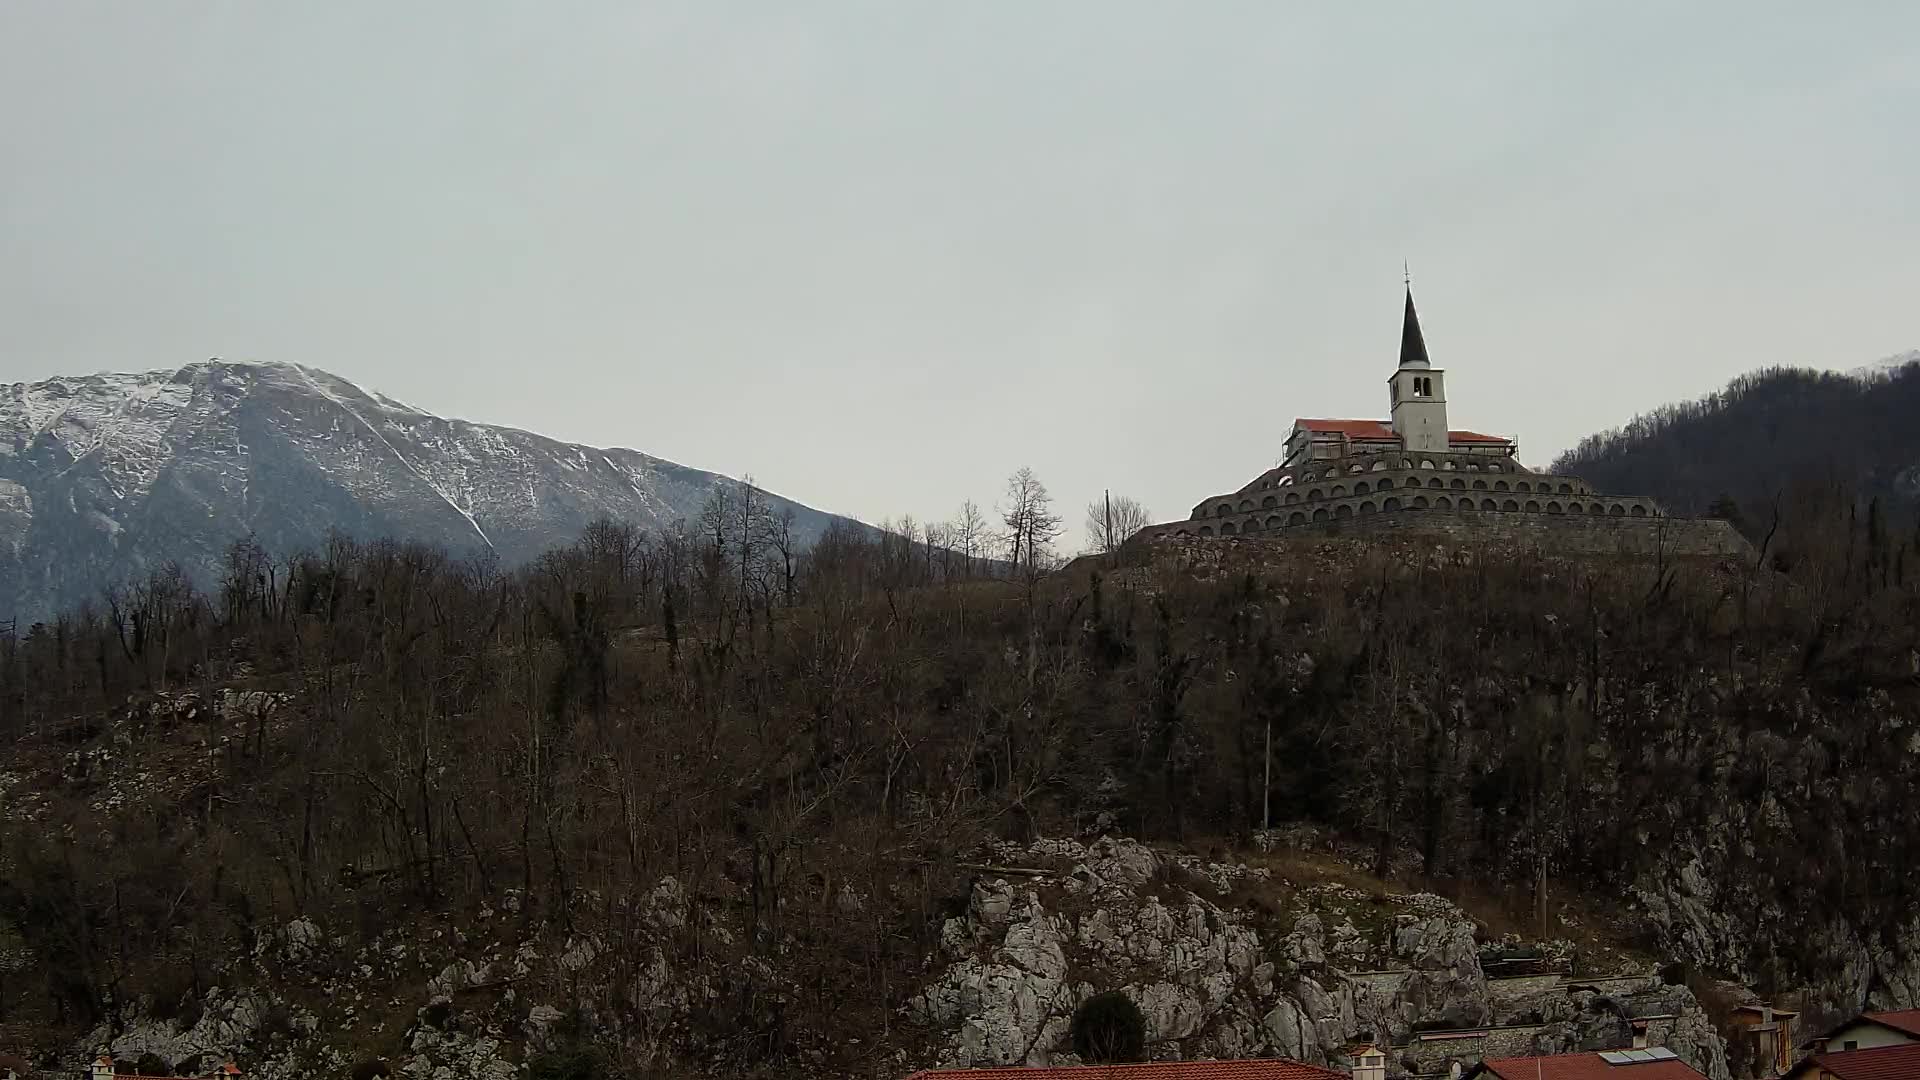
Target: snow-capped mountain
[104, 477]
[1887, 366]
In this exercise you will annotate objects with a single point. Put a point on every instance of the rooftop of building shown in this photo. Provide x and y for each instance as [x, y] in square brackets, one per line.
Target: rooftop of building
[1654, 1064]
[1382, 430]
[1881, 1063]
[1251, 1069]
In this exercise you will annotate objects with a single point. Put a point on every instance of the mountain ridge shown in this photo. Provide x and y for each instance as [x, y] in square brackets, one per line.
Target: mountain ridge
[112, 475]
[1769, 434]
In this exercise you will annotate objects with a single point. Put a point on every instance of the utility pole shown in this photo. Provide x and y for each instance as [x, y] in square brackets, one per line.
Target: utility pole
[1106, 533]
[1266, 783]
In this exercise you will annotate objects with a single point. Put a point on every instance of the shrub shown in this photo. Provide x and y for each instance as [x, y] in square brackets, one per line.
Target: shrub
[1109, 1028]
[575, 1063]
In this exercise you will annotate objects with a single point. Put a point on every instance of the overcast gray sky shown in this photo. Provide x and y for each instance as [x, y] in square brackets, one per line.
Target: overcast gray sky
[880, 254]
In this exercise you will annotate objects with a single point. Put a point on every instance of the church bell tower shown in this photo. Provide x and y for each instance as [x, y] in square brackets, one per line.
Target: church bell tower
[1419, 390]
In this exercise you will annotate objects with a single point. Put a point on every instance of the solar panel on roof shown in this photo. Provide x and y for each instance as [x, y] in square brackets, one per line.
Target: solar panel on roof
[1637, 1057]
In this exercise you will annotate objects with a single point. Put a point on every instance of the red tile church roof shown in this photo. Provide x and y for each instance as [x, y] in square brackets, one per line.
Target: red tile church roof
[1352, 429]
[1382, 430]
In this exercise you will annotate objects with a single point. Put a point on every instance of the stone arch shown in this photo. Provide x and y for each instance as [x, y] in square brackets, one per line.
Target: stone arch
[1459, 484]
[1466, 504]
[1269, 502]
[1338, 490]
[1521, 485]
[1533, 506]
[1296, 518]
[1356, 467]
[1426, 463]
[1273, 521]
[1554, 507]
[1566, 489]
[1246, 504]
[1491, 467]
[1435, 482]
[1446, 466]
[1251, 525]
[1314, 494]
[1479, 485]
[1390, 505]
[1617, 510]
[1206, 530]
[1360, 488]
[1379, 465]
[1292, 497]
[1227, 528]
[1343, 511]
[1638, 510]
[1510, 505]
[1283, 481]
[1442, 503]
[1320, 514]
[1488, 504]
[1367, 507]
[1473, 466]
[1596, 508]
[1500, 485]
[1181, 534]
[1223, 509]
[1385, 484]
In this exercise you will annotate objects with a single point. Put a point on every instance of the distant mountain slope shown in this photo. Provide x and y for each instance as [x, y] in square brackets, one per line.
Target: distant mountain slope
[1766, 432]
[107, 476]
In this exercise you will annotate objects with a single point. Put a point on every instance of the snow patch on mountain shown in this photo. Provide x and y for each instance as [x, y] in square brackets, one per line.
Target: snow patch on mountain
[103, 477]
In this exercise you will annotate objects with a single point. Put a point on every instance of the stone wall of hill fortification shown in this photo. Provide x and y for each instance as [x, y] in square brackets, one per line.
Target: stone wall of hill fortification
[1562, 534]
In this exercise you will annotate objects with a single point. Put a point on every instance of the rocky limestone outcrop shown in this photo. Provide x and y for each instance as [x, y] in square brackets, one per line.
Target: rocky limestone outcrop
[1332, 965]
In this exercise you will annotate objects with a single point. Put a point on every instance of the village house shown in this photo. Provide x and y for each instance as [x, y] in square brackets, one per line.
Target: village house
[1870, 1031]
[1253, 1069]
[1768, 1033]
[1653, 1063]
[104, 1068]
[1897, 1062]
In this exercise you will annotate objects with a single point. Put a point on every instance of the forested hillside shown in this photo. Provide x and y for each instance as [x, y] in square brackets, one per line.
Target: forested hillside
[1770, 436]
[732, 796]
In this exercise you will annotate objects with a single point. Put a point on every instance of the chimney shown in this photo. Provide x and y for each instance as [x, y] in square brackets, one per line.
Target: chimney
[1367, 1062]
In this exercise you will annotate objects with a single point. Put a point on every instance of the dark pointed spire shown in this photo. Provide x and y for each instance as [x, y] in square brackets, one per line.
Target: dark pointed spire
[1413, 346]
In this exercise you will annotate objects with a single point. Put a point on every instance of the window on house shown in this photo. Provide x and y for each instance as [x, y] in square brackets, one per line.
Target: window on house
[1850, 1044]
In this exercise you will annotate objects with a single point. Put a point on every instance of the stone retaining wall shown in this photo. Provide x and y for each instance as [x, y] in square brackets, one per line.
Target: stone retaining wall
[1586, 535]
[1570, 534]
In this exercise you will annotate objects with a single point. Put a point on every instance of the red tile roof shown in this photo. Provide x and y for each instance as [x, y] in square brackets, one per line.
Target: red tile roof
[1352, 429]
[1907, 1020]
[1382, 431]
[1263, 1069]
[1474, 436]
[1881, 1063]
[1588, 1066]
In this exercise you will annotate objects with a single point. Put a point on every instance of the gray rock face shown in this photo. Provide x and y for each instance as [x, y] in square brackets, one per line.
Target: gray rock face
[1214, 982]
[107, 477]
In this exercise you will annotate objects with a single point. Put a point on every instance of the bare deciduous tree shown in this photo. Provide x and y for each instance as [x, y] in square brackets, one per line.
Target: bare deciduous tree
[1112, 520]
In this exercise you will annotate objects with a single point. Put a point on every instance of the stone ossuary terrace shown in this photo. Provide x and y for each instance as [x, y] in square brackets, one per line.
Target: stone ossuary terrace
[1408, 467]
